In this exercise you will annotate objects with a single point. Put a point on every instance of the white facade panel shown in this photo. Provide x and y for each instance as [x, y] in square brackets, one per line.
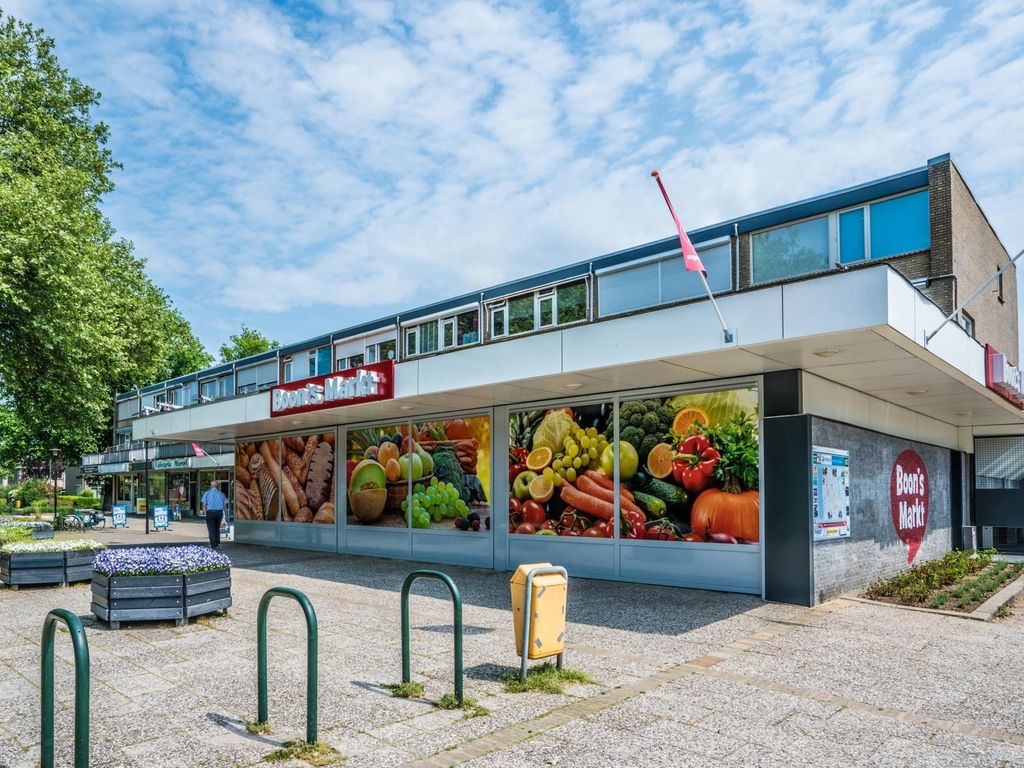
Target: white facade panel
[523, 358]
[857, 299]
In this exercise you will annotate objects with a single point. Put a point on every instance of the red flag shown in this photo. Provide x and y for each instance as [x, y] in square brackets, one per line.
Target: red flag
[198, 451]
[690, 257]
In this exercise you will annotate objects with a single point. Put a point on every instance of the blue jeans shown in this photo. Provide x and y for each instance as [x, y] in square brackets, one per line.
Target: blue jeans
[213, 519]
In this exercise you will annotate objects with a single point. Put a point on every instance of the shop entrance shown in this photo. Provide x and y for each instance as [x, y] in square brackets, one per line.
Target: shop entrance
[999, 492]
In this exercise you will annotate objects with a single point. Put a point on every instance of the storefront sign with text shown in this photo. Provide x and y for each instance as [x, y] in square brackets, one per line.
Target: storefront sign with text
[1002, 377]
[909, 489]
[365, 384]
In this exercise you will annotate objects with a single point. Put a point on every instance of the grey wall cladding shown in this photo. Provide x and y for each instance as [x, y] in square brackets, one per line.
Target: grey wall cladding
[874, 550]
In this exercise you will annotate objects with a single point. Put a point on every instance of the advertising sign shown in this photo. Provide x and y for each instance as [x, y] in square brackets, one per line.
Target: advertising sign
[119, 516]
[160, 517]
[365, 384]
[830, 493]
[908, 492]
[290, 479]
[1002, 377]
[171, 463]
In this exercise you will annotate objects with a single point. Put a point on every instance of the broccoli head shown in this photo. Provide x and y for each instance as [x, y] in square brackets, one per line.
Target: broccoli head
[633, 435]
[652, 424]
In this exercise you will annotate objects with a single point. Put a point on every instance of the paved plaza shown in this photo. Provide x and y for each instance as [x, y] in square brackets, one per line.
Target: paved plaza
[684, 677]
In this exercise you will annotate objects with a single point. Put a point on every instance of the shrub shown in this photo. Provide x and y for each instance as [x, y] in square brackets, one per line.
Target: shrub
[29, 491]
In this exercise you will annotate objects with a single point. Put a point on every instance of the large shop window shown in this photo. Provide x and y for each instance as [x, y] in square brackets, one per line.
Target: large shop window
[662, 281]
[289, 479]
[687, 470]
[429, 475]
[545, 308]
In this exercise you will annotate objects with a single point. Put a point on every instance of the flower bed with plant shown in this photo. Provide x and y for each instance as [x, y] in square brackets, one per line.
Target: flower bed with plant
[159, 583]
[54, 545]
[54, 561]
[34, 528]
[957, 581]
[160, 561]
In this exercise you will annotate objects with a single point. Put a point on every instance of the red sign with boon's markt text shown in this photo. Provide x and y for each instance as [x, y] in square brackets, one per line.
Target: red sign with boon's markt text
[365, 384]
[909, 489]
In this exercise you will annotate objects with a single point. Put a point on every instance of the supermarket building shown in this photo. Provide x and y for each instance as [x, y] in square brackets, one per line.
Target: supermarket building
[842, 433]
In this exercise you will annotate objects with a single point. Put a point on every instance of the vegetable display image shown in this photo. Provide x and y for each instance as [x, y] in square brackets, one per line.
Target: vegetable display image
[427, 475]
[687, 464]
[258, 480]
[458, 495]
[699, 478]
[290, 479]
[560, 467]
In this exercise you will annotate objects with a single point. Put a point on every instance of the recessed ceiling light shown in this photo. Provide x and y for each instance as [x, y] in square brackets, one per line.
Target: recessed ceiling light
[826, 353]
[916, 391]
[574, 385]
[405, 407]
[296, 421]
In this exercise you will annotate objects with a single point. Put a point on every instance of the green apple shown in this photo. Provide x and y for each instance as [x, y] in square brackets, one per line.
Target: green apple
[417, 466]
[521, 485]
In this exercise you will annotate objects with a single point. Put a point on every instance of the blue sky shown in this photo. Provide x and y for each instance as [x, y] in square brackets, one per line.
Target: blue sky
[300, 167]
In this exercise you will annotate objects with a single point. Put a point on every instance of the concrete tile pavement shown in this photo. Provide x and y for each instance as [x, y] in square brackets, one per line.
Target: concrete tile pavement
[180, 696]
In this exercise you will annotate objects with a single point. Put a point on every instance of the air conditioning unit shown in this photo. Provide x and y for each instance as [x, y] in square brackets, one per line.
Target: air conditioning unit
[969, 535]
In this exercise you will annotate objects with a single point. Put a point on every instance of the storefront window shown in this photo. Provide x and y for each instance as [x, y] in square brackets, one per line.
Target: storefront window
[560, 469]
[377, 474]
[258, 480]
[178, 496]
[454, 490]
[688, 468]
[307, 478]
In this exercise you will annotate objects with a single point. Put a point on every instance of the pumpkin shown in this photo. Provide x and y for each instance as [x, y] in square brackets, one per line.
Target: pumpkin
[735, 514]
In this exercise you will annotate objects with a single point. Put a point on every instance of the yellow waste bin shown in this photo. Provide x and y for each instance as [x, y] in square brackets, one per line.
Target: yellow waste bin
[549, 593]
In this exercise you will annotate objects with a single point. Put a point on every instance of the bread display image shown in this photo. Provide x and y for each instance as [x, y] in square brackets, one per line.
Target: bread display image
[290, 479]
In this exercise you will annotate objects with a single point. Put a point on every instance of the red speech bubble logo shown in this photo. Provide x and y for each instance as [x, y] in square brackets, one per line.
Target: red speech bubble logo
[908, 491]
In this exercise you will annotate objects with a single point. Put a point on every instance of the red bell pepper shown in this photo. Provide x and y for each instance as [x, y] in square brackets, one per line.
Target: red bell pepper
[694, 466]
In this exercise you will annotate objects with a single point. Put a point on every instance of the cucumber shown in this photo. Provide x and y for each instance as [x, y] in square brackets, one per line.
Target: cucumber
[652, 505]
[672, 495]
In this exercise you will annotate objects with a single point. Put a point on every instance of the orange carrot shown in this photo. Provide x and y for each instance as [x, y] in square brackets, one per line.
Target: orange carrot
[587, 503]
[587, 485]
[606, 482]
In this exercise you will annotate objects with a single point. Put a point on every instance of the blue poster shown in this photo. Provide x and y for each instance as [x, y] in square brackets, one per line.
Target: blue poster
[160, 517]
[119, 515]
[830, 493]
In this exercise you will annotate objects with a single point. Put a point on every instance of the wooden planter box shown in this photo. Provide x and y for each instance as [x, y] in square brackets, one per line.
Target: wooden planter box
[42, 533]
[32, 568]
[154, 598]
[78, 565]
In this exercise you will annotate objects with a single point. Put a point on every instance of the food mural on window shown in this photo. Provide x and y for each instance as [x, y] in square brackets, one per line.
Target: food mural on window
[688, 469]
[453, 491]
[291, 479]
[378, 470]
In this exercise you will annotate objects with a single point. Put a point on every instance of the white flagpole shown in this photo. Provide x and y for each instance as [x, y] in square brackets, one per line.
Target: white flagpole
[726, 333]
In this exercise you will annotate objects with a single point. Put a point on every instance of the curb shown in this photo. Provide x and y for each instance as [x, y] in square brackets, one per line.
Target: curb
[990, 607]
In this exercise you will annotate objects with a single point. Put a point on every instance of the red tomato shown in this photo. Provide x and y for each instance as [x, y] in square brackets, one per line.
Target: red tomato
[549, 525]
[526, 528]
[693, 537]
[457, 429]
[515, 506]
[533, 513]
[593, 532]
[569, 532]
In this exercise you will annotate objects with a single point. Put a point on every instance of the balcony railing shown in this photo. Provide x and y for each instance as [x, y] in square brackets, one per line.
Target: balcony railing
[136, 451]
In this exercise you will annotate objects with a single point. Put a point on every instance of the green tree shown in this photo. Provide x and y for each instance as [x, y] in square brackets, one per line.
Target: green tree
[245, 343]
[79, 319]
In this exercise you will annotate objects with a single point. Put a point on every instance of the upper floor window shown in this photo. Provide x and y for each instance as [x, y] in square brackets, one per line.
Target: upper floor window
[544, 308]
[257, 377]
[384, 350]
[662, 280]
[878, 230]
[304, 365]
[443, 333]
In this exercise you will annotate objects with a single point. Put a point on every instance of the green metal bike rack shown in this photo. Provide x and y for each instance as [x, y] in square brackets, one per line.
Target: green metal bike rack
[312, 643]
[457, 605]
[81, 648]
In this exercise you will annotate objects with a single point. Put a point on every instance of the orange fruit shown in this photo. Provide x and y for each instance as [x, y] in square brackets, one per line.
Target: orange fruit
[659, 460]
[685, 418]
[539, 458]
[541, 489]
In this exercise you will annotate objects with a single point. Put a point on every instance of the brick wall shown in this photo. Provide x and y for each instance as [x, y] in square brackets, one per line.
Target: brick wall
[873, 549]
[976, 255]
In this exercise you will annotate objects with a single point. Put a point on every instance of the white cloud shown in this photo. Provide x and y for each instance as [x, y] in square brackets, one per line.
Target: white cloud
[383, 154]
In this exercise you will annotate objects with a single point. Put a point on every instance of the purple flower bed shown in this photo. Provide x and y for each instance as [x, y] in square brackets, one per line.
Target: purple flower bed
[159, 561]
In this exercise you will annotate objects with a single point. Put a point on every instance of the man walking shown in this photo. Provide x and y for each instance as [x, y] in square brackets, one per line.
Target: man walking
[213, 505]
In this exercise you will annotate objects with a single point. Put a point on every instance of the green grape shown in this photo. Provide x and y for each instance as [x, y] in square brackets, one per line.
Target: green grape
[549, 473]
[556, 464]
[593, 452]
[576, 462]
[570, 475]
[574, 450]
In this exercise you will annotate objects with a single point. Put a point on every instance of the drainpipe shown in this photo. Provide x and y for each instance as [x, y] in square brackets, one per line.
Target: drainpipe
[736, 255]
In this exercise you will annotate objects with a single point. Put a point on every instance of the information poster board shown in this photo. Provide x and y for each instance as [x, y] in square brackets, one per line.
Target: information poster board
[119, 516]
[830, 493]
[160, 517]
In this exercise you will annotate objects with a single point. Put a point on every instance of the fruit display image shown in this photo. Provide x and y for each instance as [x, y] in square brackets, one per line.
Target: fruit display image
[445, 462]
[289, 479]
[688, 469]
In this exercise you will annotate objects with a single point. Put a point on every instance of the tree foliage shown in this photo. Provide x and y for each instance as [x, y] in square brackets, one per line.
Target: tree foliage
[79, 319]
[245, 343]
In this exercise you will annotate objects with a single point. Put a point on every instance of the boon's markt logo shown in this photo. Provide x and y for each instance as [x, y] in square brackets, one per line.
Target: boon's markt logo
[908, 491]
[358, 385]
